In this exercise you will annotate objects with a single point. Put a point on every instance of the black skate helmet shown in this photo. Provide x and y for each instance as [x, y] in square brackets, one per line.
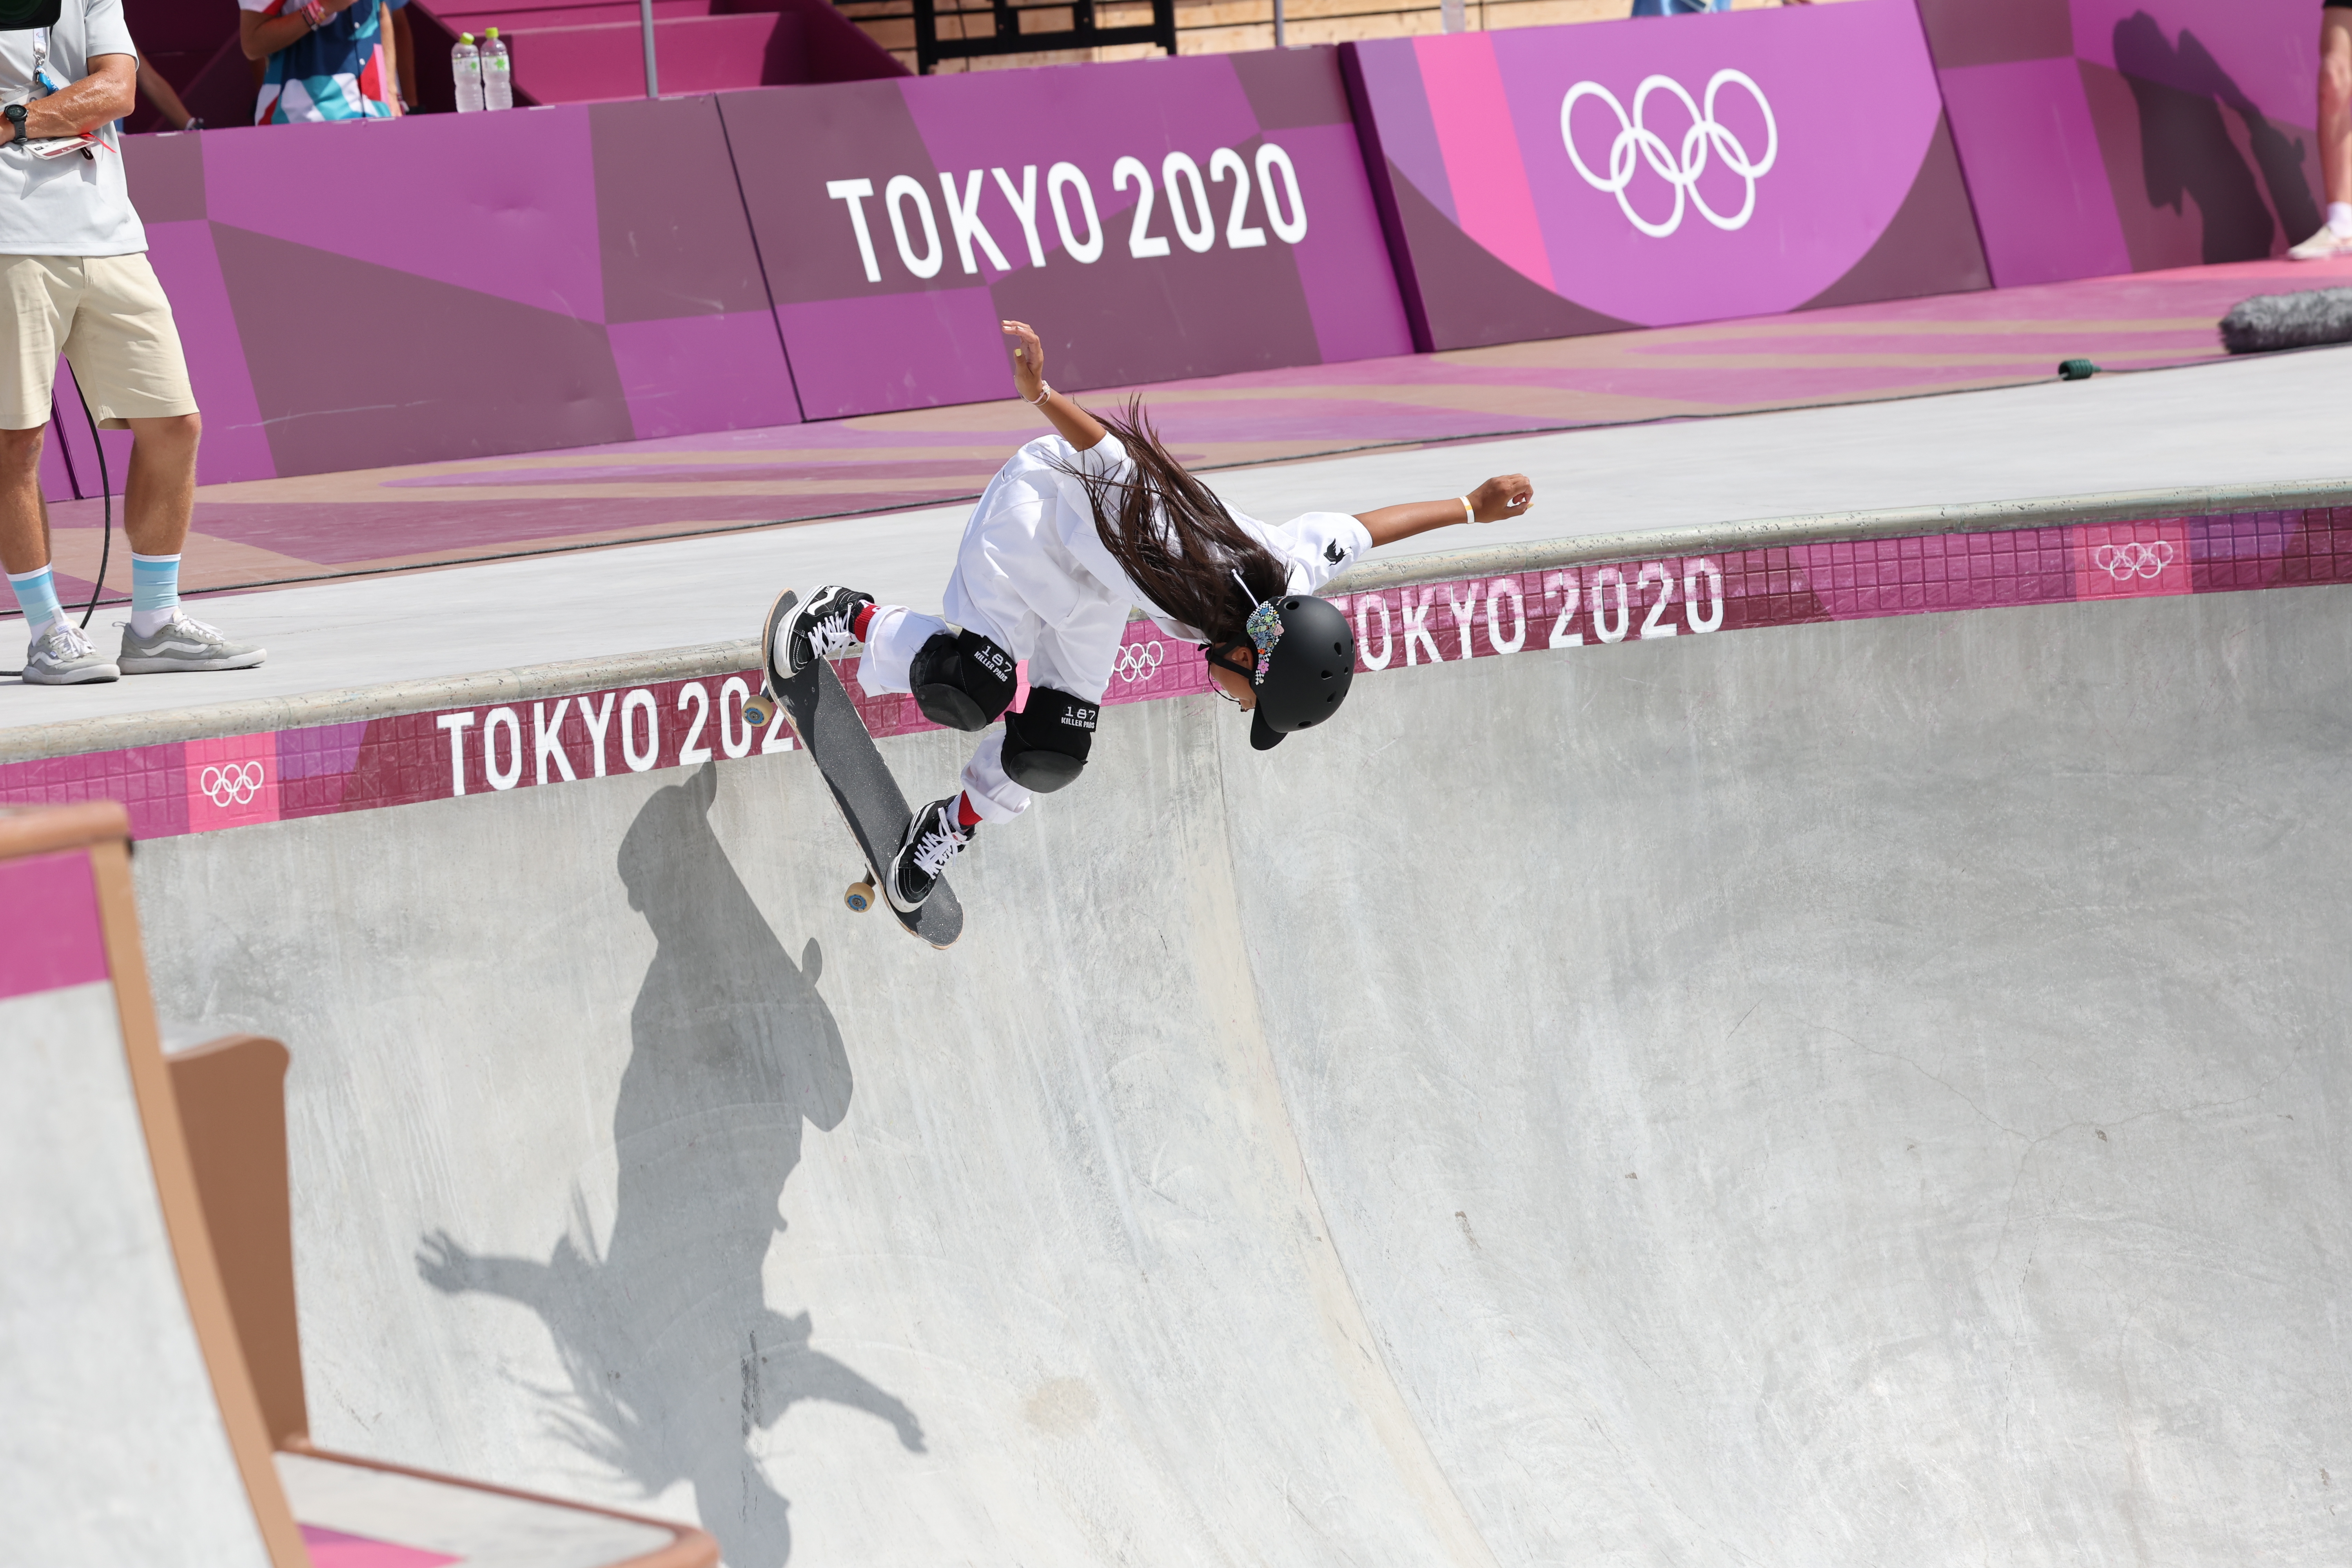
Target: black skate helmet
[1306, 659]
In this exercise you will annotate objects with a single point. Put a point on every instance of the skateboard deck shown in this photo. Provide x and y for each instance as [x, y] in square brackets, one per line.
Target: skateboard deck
[818, 708]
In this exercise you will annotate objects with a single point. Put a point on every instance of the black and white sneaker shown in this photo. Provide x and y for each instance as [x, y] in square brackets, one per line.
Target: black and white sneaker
[820, 626]
[933, 838]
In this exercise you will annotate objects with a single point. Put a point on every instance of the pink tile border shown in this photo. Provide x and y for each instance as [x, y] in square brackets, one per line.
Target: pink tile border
[338, 1548]
[233, 781]
[55, 938]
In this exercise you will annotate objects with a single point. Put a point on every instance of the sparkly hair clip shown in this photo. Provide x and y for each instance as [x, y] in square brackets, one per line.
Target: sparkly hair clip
[1264, 628]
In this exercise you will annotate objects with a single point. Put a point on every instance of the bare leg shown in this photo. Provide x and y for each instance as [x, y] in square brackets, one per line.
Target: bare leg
[159, 496]
[24, 518]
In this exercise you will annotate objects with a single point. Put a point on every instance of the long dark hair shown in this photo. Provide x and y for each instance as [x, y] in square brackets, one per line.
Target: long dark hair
[1174, 539]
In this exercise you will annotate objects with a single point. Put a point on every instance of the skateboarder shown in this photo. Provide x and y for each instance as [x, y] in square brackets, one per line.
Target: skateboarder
[1077, 528]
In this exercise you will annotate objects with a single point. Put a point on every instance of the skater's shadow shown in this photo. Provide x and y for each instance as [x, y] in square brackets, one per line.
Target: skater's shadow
[2185, 148]
[675, 1358]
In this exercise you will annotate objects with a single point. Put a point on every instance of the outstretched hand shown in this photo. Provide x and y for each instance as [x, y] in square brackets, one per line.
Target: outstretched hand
[1506, 495]
[1028, 358]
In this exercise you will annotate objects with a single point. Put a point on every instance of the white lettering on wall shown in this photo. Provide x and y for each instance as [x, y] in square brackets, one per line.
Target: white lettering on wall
[1065, 177]
[1692, 571]
[512, 775]
[1364, 631]
[1611, 577]
[457, 725]
[1238, 236]
[1141, 241]
[1416, 626]
[963, 221]
[854, 193]
[1270, 158]
[597, 719]
[902, 188]
[737, 691]
[547, 738]
[1518, 637]
[914, 224]
[640, 700]
[1466, 613]
[1023, 203]
[1563, 630]
[695, 694]
[1193, 224]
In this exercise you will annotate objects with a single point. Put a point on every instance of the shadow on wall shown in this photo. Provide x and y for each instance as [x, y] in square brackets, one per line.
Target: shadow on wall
[676, 1358]
[2187, 149]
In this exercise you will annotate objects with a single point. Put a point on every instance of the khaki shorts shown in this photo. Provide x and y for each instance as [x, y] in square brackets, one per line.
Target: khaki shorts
[109, 317]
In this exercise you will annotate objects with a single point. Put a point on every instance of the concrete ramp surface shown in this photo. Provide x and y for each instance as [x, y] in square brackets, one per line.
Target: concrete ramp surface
[1855, 1094]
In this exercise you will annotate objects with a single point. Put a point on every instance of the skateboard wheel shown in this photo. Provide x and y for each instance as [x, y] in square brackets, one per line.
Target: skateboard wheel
[860, 897]
[757, 714]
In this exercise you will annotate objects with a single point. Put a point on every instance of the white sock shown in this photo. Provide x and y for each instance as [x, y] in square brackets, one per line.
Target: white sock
[2339, 219]
[146, 623]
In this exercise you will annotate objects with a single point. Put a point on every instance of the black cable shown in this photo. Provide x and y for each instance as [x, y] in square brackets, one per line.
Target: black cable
[105, 488]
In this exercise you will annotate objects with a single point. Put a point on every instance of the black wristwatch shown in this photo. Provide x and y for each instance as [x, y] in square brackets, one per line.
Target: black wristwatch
[15, 113]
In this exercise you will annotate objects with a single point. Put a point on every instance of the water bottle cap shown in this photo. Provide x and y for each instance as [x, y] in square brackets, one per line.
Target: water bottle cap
[489, 32]
[464, 38]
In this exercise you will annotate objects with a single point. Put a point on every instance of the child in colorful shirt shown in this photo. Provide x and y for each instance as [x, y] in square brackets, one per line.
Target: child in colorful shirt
[328, 59]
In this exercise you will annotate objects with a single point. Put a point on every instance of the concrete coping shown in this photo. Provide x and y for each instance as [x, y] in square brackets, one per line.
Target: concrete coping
[530, 682]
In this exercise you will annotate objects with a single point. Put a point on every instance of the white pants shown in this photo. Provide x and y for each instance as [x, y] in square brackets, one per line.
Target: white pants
[893, 638]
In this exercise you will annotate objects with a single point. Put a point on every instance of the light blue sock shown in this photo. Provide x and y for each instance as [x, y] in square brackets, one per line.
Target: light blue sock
[154, 591]
[37, 596]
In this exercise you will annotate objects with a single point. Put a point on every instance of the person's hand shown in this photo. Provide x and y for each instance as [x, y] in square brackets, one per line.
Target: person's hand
[1028, 359]
[1506, 495]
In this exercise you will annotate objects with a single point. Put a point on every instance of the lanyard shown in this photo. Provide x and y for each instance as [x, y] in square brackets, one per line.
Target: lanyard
[42, 85]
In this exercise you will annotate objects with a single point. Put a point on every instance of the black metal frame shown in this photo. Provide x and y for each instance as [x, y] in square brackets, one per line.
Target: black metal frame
[1009, 39]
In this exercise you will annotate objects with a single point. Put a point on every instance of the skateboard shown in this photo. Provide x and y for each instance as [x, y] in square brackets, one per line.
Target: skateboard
[818, 708]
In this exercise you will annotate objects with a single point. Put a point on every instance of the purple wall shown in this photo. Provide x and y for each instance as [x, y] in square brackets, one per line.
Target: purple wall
[1856, 195]
[364, 295]
[907, 318]
[2104, 136]
[357, 295]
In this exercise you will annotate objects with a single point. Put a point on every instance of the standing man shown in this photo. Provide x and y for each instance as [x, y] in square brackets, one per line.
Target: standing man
[2334, 133]
[74, 279]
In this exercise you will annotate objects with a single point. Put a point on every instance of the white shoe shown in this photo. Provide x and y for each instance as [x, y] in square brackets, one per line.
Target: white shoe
[2324, 246]
[186, 643]
[61, 656]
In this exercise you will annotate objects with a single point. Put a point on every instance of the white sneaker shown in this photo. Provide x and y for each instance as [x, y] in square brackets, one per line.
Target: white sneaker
[184, 643]
[61, 656]
[2324, 246]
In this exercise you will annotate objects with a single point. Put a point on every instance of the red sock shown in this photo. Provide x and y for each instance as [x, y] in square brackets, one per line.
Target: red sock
[861, 620]
[965, 816]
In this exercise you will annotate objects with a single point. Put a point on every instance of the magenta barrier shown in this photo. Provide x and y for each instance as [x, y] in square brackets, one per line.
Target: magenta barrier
[1552, 181]
[361, 296]
[2105, 136]
[1154, 219]
[354, 296]
[199, 786]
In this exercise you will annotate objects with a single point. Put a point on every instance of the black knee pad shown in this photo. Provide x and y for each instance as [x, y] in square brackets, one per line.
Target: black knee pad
[1046, 742]
[962, 679]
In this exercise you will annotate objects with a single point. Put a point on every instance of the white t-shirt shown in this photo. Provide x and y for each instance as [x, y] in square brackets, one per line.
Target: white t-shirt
[1032, 574]
[73, 205]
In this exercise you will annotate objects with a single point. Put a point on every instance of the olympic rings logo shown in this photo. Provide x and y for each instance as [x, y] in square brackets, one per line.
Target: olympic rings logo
[1137, 660]
[231, 785]
[1705, 136]
[2125, 561]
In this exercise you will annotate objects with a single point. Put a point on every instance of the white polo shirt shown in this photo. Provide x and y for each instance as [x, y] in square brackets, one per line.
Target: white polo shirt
[71, 205]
